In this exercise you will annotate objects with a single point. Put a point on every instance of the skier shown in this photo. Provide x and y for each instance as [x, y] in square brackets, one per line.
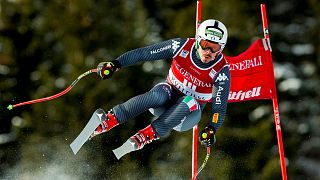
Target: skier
[199, 74]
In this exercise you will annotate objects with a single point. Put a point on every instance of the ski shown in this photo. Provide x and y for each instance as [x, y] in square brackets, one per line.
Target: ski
[85, 134]
[127, 147]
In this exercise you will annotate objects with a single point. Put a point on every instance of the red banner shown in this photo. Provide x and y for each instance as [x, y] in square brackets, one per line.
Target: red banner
[252, 74]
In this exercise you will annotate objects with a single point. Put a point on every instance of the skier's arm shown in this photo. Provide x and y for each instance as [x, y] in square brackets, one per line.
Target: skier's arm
[163, 50]
[220, 95]
[220, 98]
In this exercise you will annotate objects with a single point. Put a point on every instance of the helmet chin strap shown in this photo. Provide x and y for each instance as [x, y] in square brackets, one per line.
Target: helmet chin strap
[197, 52]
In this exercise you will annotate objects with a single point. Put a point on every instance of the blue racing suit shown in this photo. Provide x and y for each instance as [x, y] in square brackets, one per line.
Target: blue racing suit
[176, 109]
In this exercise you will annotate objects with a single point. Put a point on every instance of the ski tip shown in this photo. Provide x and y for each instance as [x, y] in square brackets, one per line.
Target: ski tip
[10, 107]
[74, 149]
[118, 153]
[126, 148]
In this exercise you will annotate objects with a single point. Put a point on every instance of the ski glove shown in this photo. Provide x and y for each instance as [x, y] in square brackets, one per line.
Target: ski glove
[207, 136]
[106, 69]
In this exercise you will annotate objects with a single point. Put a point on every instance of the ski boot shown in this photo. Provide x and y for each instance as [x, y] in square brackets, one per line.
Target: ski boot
[99, 122]
[108, 121]
[137, 141]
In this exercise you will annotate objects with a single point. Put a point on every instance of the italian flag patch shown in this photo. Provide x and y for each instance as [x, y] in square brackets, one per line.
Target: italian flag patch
[192, 104]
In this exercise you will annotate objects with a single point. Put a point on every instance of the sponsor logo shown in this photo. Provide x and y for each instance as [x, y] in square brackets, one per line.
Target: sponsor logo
[241, 95]
[277, 118]
[218, 96]
[212, 31]
[246, 64]
[189, 77]
[100, 116]
[212, 73]
[221, 77]
[188, 88]
[175, 45]
[168, 90]
[195, 70]
[189, 85]
[215, 117]
[182, 88]
[184, 53]
[160, 49]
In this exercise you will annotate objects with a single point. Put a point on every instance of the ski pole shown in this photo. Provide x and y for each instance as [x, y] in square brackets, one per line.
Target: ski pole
[204, 162]
[55, 95]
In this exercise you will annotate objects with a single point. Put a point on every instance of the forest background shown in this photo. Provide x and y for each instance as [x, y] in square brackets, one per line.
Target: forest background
[45, 45]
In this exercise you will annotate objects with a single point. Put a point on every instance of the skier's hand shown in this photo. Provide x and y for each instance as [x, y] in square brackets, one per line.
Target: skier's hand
[106, 69]
[207, 136]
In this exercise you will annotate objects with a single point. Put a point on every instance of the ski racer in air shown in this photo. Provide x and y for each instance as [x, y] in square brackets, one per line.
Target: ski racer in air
[198, 74]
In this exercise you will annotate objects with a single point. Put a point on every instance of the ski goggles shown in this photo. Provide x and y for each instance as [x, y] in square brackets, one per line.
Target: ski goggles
[209, 45]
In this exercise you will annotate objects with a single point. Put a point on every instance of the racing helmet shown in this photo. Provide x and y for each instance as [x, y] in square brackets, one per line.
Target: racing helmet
[212, 30]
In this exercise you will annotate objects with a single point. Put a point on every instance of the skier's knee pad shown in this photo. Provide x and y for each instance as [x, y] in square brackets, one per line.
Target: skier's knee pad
[191, 103]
